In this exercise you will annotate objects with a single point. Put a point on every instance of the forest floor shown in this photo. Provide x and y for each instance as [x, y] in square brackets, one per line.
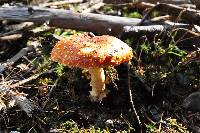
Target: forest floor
[156, 92]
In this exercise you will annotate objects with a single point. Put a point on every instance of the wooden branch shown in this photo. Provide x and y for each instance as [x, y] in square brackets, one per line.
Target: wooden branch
[57, 3]
[187, 39]
[94, 7]
[17, 28]
[191, 15]
[10, 37]
[166, 1]
[33, 77]
[167, 25]
[103, 24]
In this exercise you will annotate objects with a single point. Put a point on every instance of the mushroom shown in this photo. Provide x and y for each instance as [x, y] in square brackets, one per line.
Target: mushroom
[92, 53]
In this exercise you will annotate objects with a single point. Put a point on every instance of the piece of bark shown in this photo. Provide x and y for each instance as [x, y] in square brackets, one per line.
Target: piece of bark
[103, 24]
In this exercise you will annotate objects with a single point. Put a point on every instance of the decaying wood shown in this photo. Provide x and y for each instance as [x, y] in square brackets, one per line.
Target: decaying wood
[103, 24]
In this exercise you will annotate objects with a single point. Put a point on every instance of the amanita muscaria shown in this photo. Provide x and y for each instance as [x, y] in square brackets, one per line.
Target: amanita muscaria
[92, 53]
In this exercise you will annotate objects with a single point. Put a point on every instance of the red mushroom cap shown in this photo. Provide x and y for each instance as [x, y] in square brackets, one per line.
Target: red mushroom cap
[86, 51]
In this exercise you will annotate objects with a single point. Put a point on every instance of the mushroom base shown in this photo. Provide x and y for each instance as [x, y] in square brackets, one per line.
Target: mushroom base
[98, 84]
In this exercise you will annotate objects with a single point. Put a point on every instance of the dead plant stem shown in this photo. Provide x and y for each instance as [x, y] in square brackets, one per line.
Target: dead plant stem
[131, 99]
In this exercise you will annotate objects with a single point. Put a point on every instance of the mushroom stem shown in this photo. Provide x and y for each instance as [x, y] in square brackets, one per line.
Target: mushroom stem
[98, 84]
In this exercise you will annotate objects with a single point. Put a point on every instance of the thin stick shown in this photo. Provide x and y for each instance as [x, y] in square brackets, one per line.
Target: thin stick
[94, 7]
[57, 3]
[131, 99]
[30, 78]
[50, 92]
[146, 15]
[11, 37]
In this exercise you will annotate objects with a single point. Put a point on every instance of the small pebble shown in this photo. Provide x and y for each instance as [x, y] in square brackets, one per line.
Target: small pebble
[109, 122]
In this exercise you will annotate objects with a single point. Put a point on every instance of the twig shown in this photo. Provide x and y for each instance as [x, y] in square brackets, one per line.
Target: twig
[191, 15]
[146, 15]
[162, 18]
[94, 7]
[17, 28]
[11, 37]
[30, 78]
[131, 99]
[56, 3]
[155, 28]
[187, 38]
[49, 94]
[138, 5]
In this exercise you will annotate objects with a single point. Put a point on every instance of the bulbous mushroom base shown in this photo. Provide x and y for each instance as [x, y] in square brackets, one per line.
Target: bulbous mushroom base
[98, 84]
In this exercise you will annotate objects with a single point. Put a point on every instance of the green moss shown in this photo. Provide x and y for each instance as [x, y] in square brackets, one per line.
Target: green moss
[43, 63]
[72, 127]
[59, 69]
[134, 14]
